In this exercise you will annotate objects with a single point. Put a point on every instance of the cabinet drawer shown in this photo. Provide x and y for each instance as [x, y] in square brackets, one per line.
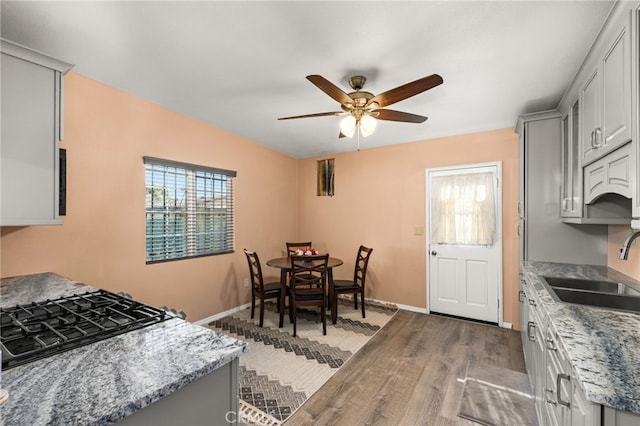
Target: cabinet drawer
[610, 174]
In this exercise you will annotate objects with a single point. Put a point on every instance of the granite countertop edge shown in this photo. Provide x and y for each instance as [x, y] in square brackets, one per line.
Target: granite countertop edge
[600, 343]
[125, 373]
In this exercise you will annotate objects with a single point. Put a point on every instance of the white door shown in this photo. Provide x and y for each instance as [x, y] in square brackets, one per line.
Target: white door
[464, 247]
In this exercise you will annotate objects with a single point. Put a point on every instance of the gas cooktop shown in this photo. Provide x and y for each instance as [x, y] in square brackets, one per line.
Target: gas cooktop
[37, 330]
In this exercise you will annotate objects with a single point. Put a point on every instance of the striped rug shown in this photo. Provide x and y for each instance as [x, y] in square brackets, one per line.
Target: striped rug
[280, 372]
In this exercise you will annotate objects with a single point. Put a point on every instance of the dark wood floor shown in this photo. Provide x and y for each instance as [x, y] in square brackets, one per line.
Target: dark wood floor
[410, 373]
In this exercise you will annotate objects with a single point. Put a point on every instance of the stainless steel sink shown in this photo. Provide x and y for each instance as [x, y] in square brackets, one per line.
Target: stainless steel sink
[592, 285]
[604, 294]
[603, 300]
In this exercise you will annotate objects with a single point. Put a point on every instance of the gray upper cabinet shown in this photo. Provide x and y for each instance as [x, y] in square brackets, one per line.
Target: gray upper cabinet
[590, 119]
[605, 94]
[616, 89]
[600, 112]
[571, 189]
[31, 87]
[635, 103]
[612, 174]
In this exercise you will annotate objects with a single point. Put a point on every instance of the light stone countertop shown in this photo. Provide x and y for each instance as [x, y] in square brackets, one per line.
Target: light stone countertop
[603, 345]
[103, 382]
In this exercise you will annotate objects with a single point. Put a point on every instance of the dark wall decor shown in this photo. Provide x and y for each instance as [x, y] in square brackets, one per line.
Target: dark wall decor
[325, 177]
[62, 196]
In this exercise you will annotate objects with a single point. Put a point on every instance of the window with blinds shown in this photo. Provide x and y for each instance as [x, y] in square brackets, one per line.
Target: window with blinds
[189, 210]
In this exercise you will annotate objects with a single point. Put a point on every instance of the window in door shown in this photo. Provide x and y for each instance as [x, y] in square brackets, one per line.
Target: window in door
[463, 209]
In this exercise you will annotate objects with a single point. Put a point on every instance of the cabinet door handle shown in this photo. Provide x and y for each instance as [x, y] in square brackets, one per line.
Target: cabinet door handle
[531, 336]
[549, 400]
[559, 378]
[520, 295]
[593, 137]
[532, 302]
[551, 345]
[598, 138]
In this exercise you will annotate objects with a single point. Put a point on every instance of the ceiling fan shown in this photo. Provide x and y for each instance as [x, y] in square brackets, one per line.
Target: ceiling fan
[363, 108]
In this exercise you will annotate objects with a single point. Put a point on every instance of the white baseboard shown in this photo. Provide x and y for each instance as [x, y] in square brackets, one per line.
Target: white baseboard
[411, 308]
[215, 317]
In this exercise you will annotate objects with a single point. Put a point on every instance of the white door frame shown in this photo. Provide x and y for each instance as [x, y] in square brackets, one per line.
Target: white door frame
[499, 242]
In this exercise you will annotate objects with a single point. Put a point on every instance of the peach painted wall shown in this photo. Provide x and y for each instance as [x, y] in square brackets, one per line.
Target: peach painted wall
[380, 200]
[631, 266]
[102, 241]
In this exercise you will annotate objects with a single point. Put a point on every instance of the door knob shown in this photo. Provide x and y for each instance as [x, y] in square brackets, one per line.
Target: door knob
[433, 253]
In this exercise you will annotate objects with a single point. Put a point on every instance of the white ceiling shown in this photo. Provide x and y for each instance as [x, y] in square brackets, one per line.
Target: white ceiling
[240, 65]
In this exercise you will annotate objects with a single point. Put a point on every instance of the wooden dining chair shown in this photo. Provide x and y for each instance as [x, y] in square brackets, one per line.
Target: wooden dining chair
[260, 289]
[292, 247]
[355, 286]
[308, 286]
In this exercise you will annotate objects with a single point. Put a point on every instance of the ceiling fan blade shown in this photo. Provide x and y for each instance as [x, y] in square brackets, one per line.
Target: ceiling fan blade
[320, 114]
[406, 90]
[391, 115]
[330, 89]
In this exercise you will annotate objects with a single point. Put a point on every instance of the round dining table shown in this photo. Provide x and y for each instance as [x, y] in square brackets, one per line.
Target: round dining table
[284, 264]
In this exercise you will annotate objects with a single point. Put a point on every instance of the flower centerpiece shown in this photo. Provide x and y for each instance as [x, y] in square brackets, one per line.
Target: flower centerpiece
[308, 251]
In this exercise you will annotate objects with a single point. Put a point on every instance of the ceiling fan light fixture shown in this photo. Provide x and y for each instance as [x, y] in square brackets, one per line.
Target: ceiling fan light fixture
[367, 125]
[363, 109]
[348, 126]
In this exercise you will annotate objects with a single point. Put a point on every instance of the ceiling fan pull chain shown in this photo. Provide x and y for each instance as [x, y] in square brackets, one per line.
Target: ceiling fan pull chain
[358, 132]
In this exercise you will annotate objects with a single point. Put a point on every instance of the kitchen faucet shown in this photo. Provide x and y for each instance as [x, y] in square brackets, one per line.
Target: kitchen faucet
[624, 251]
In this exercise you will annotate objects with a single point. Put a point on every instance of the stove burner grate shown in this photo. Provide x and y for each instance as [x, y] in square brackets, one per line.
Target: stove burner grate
[41, 329]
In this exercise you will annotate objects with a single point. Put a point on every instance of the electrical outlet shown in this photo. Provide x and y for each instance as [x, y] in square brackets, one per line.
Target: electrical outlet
[246, 282]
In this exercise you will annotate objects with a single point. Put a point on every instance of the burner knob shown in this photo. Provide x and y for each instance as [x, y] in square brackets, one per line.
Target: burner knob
[175, 313]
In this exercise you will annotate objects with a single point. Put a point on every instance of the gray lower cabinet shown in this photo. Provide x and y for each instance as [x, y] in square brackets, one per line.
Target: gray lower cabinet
[558, 386]
[531, 328]
[210, 400]
[559, 398]
[583, 412]
[31, 87]
[619, 418]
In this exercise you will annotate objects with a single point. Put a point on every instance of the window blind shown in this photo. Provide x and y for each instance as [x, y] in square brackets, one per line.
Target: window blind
[189, 210]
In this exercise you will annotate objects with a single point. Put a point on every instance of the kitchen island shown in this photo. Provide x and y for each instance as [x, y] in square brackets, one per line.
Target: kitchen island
[602, 344]
[106, 381]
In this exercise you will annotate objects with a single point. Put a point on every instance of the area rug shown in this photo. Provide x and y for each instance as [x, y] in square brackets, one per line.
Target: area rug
[280, 372]
[497, 396]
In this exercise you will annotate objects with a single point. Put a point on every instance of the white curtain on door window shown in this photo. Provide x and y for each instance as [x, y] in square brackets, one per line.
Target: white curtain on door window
[463, 209]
